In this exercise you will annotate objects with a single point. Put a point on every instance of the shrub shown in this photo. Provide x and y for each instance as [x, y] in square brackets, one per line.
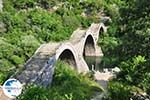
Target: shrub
[22, 4]
[131, 70]
[17, 60]
[145, 82]
[118, 91]
[6, 69]
[6, 49]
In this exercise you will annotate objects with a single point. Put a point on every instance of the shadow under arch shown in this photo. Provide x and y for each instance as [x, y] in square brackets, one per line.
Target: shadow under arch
[68, 57]
[101, 31]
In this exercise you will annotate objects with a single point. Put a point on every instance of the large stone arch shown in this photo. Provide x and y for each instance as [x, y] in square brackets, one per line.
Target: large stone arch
[66, 53]
[68, 57]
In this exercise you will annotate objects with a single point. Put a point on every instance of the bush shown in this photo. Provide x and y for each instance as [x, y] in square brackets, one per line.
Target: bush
[71, 20]
[17, 60]
[118, 91]
[34, 92]
[24, 4]
[144, 84]
[131, 70]
[6, 69]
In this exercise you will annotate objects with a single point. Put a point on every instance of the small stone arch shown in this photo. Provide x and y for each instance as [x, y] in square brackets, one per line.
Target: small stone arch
[101, 30]
[89, 46]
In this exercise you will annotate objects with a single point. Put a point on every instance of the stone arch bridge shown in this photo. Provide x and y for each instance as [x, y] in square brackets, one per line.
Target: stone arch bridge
[39, 68]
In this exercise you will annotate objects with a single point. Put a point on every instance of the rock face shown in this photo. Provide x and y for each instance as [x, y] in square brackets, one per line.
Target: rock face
[1, 5]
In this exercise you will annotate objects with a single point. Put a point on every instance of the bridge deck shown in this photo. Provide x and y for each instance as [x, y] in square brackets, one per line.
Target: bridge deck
[77, 36]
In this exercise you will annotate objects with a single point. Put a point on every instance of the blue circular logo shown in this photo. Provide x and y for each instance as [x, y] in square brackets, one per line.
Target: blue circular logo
[12, 88]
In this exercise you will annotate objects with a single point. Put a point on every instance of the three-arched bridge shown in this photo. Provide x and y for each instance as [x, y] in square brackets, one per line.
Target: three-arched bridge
[39, 68]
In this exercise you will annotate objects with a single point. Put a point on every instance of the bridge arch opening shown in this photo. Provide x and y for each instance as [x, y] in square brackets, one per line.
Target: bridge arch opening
[89, 47]
[68, 57]
[101, 31]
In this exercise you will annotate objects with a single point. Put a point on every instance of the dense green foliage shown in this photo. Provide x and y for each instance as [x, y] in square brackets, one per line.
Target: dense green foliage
[127, 46]
[67, 85]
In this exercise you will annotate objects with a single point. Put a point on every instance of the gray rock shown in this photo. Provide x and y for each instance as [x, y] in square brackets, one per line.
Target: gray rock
[1, 5]
[2, 27]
